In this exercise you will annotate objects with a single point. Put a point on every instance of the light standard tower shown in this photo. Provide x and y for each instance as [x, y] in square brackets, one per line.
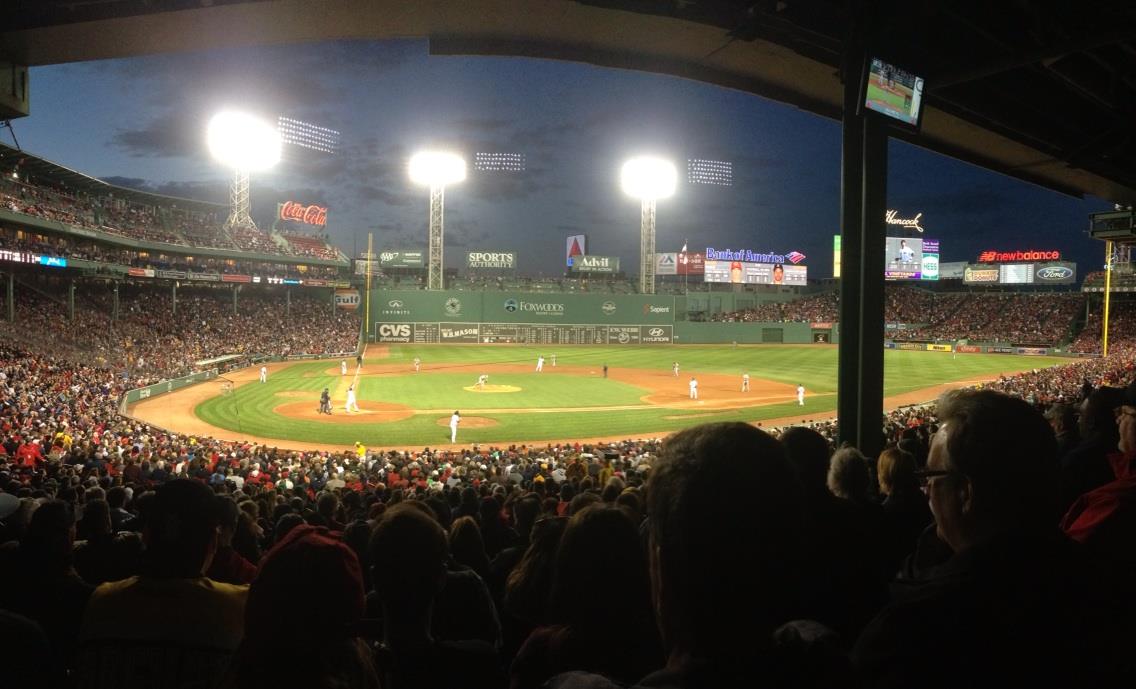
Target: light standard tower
[245, 144]
[436, 169]
[648, 179]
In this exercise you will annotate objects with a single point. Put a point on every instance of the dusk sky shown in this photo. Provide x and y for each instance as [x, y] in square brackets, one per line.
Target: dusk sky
[141, 122]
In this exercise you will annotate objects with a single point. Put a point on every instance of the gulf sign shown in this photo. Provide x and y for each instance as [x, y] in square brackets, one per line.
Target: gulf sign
[347, 299]
[307, 214]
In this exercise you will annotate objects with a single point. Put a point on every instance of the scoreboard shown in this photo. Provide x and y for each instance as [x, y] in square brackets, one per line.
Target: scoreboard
[522, 333]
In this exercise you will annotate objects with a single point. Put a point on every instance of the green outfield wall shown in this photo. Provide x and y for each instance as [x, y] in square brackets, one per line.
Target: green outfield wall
[419, 317]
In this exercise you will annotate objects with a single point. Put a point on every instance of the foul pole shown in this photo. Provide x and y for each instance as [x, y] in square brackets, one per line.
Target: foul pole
[367, 289]
[1108, 264]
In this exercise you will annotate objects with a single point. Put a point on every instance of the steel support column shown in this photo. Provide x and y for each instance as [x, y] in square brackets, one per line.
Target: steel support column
[647, 247]
[71, 300]
[435, 278]
[11, 298]
[114, 304]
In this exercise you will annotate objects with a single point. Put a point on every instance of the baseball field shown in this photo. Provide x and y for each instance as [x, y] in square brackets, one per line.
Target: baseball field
[569, 400]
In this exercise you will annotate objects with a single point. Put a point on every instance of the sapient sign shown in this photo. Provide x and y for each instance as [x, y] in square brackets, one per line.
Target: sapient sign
[491, 259]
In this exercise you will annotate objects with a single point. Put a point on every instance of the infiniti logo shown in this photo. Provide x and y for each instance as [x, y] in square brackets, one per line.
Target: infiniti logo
[395, 303]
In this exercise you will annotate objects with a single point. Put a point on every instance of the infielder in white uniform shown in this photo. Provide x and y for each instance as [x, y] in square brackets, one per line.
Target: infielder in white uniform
[417, 364]
[351, 405]
[481, 380]
[674, 370]
[343, 367]
[800, 395]
[264, 374]
[454, 421]
[745, 382]
[553, 361]
[540, 363]
[693, 388]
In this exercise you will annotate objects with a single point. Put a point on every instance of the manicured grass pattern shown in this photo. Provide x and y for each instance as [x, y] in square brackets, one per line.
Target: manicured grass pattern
[249, 408]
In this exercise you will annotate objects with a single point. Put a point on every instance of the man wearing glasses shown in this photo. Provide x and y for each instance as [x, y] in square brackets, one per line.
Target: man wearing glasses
[1017, 604]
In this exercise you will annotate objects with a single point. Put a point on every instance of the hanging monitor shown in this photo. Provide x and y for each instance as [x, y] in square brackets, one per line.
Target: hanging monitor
[894, 93]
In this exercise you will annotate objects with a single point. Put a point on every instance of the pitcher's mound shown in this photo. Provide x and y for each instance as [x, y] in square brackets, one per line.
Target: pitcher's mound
[370, 412]
[469, 422]
[491, 388]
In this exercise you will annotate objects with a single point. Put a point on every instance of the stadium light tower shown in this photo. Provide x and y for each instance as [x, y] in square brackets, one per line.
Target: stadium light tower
[245, 144]
[436, 169]
[648, 179]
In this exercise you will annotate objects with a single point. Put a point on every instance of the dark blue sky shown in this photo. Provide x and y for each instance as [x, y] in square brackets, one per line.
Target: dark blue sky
[141, 122]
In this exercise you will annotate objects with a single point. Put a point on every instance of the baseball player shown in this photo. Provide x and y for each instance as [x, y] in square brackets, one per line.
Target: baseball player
[454, 421]
[554, 361]
[674, 369]
[343, 367]
[481, 380]
[417, 364]
[351, 405]
[325, 402]
[540, 363]
[264, 374]
[693, 388]
[745, 382]
[800, 395]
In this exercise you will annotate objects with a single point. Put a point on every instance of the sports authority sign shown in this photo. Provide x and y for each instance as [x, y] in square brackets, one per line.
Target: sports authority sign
[596, 264]
[491, 259]
[298, 212]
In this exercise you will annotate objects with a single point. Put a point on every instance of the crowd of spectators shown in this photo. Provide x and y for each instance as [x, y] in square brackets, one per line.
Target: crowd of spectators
[136, 556]
[171, 225]
[149, 343]
[1121, 326]
[911, 313]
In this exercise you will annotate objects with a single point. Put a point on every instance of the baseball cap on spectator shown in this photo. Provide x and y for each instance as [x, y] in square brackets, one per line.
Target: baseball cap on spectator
[307, 559]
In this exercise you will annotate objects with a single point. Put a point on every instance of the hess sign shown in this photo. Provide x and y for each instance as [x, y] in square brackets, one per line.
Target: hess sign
[298, 212]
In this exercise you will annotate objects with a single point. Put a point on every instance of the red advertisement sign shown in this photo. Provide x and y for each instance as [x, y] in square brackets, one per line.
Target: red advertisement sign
[298, 212]
[691, 264]
[990, 256]
[968, 349]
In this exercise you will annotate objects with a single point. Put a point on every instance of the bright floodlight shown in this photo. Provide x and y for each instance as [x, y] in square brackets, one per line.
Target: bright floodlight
[243, 142]
[436, 168]
[648, 178]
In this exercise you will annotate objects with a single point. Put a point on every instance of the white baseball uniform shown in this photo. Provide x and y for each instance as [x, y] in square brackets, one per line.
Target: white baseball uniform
[745, 382]
[264, 374]
[481, 380]
[351, 405]
[454, 421]
[801, 395]
[693, 389]
[674, 369]
[539, 364]
[343, 367]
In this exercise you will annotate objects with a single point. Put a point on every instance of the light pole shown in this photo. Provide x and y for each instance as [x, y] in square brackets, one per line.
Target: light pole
[436, 169]
[648, 179]
[243, 143]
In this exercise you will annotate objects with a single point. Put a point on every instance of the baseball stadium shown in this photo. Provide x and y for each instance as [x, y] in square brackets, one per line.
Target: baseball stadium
[336, 355]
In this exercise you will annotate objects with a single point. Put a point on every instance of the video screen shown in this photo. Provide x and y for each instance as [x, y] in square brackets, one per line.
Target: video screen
[893, 92]
[741, 272]
[903, 258]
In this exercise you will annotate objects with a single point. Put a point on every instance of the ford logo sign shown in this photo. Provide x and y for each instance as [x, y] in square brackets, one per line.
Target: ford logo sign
[395, 303]
[1054, 273]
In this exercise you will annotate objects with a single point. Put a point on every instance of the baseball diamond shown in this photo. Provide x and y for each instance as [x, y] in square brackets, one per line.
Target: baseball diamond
[639, 397]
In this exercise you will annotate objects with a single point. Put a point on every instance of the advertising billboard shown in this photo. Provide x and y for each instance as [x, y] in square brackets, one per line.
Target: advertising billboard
[903, 258]
[596, 264]
[402, 259]
[980, 275]
[930, 264]
[1052, 273]
[577, 245]
[666, 263]
[491, 259]
[691, 264]
[741, 272]
[310, 214]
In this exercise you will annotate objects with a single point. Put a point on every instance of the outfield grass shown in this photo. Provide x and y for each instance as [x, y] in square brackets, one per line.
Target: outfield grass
[249, 408]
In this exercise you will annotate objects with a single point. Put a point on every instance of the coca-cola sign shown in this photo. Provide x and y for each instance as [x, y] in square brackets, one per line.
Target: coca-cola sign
[298, 212]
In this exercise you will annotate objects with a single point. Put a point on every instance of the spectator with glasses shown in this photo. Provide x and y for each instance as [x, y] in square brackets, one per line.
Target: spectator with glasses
[1014, 605]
